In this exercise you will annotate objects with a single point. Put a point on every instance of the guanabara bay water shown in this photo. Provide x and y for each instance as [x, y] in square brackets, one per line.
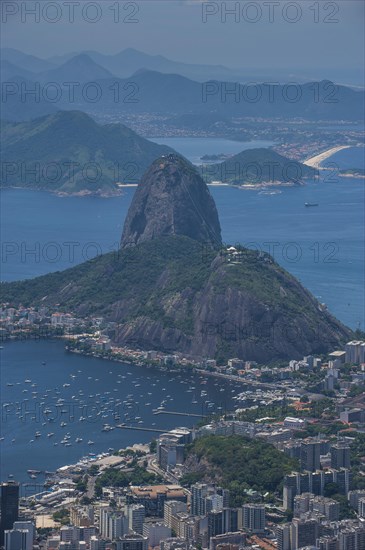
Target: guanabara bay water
[56, 405]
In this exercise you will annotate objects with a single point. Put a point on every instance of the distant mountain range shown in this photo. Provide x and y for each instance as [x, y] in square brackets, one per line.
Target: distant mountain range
[80, 68]
[127, 62]
[25, 61]
[123, 64]
[69, 152]
[97, 91]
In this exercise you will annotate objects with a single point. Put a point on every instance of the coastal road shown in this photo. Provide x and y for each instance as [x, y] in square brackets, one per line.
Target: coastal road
[91, 487]
[315, 162]
[152, 466]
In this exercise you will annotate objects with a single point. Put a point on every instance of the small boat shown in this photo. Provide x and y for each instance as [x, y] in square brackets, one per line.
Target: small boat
[90, 442]
[311, 204]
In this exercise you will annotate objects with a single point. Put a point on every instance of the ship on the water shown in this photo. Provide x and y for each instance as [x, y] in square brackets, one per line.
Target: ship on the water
[311, 204]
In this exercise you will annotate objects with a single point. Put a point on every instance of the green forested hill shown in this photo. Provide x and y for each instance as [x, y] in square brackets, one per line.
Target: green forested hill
[173, 294]
[69, 152]
[255, 166]
[239, 464]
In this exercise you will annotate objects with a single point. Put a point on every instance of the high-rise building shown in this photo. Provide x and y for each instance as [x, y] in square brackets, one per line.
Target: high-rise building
[340, 455]
[353, 350]
[136, 516]
[187, 527]
[327, 543]
[328, 507]
[213, 502]
[352, 538]
[9, 507]
[205, 498]
[254, 517]
[354, 497]
[362, 353]
[307, 502]
[171, 508]
[361, 507]
[112, 524]
[26, 525]
[170, 450]
[69, 533]
[303, 533]
[82, 516]
[313, 482]
[132, 542]
[282, 532]
[343, 479]
[222, 521]
[302, 504]
[310, 452]
[290, 490]
[199, 491]
[104, 520]
[156, 532]
[18, 539]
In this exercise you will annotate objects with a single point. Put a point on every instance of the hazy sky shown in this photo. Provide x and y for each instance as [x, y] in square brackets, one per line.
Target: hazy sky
[304, 34]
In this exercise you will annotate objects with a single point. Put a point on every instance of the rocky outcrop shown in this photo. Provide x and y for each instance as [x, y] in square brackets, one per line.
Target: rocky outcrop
[174, 288]
[172, 199]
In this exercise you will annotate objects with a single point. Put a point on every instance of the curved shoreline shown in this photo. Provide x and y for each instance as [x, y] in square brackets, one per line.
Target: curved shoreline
[315, 162]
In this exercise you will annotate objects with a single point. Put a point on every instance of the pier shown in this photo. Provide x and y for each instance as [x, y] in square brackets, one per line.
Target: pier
[179, 413]
[139, 428]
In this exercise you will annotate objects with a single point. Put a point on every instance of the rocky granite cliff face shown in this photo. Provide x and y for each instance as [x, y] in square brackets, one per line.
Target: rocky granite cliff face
[172, 199]
[172, 289]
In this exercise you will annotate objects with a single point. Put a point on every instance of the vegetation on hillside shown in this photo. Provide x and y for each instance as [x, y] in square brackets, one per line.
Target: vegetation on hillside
[69, 152]
[175, 284]
[256, 166]
[240, 464]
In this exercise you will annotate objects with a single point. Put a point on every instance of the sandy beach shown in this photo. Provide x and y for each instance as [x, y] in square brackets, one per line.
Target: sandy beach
[315, 162]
